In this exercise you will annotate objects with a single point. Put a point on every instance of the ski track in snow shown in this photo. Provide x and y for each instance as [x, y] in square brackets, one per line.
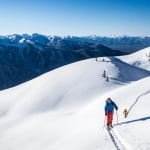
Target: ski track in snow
[118, 141]
[137, 99]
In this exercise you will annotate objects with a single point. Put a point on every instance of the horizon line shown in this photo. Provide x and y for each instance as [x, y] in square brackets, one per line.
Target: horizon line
[67, 35]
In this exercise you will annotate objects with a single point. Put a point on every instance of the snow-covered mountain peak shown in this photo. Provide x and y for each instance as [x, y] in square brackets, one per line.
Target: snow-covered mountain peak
[22, 40]
[15, 37]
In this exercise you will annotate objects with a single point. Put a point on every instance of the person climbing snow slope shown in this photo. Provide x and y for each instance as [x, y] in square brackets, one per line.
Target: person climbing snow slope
[109, 111]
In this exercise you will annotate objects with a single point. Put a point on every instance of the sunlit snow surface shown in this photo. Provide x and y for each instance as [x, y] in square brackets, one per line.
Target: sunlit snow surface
[140, 59]
[64, 109]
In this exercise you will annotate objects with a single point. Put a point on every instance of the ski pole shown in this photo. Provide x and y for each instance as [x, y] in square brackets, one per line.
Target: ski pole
[117, 116]
[104, 122]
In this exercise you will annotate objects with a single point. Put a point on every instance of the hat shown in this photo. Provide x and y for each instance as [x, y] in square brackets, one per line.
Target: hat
[108, 99]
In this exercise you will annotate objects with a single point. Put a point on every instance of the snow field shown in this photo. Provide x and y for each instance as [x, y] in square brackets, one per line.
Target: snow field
[64, 109]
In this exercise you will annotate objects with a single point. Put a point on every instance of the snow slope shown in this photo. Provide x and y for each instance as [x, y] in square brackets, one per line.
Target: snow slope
[140, 59]
[64, 109]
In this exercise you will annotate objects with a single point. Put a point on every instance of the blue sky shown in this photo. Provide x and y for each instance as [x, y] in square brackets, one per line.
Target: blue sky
[75, 17]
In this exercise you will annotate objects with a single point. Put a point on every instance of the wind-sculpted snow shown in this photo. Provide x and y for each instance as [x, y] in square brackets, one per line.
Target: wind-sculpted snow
[139, 59]
[129, 72]
[64, 109]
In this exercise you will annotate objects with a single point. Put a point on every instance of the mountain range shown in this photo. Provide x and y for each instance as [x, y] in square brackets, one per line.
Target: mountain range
[23, 57]
[124, 43]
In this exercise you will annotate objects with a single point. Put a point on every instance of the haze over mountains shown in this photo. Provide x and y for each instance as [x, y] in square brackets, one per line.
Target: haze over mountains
[123, 43]
[23, 57]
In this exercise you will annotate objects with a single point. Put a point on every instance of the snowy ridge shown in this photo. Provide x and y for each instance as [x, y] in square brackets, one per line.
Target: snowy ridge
[64, 109]
[140, 59]
[24, 57]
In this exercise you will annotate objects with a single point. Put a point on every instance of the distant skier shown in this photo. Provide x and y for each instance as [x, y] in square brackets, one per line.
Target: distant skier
[109, 110]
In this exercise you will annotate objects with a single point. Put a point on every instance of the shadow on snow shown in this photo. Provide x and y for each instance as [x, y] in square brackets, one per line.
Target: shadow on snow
[132, 121]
